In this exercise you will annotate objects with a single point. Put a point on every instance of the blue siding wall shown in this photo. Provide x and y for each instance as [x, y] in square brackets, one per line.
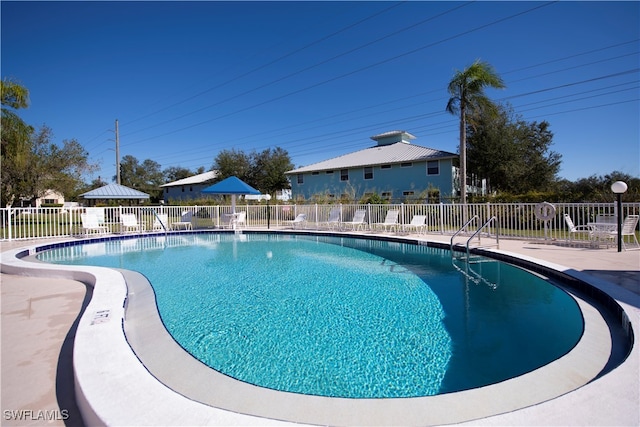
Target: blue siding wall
[395, 180]
[185, 192]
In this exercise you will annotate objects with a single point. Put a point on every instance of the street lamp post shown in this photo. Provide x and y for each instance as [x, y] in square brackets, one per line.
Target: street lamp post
[618, 188]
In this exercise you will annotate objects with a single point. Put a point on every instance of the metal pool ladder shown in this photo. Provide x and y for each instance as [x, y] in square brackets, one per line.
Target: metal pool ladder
[468, 257]
[468, 271]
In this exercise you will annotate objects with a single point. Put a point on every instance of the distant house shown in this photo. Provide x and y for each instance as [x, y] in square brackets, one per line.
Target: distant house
[50, 197]
[188, 188]
[394, 168]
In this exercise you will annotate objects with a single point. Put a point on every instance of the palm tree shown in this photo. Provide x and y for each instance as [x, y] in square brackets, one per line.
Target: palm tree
[468, 98]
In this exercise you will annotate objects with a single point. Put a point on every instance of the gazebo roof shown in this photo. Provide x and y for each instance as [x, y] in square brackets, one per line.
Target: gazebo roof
[114, 191]
[231, 185]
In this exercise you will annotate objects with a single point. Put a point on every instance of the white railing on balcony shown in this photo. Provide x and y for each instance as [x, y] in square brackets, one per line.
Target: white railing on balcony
[514, 220]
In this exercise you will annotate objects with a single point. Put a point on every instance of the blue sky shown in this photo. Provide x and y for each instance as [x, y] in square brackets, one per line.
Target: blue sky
[188, 79]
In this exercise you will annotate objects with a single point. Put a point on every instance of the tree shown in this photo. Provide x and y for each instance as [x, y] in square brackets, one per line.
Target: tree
[598, 188]
[468, 99]
[264, 171]
[175, 173]
[146, 177]
[269, 170]
[58, 168]
[15, 136]
[233, 163]
[512, 154]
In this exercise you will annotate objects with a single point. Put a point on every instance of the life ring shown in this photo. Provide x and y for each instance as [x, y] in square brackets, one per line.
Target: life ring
[545, 211]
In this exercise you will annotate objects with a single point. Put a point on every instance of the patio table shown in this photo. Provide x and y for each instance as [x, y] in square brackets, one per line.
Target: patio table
[603, 231]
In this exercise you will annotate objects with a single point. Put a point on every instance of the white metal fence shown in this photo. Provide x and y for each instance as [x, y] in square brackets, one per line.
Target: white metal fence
[513, 220]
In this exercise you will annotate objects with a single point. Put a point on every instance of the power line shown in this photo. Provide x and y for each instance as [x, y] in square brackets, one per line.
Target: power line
[350, 73]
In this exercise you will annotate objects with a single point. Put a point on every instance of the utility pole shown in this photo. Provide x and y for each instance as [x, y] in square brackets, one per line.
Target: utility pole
[117, 154]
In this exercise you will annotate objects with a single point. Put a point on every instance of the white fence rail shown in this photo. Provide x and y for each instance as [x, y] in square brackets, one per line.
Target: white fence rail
[514, 220]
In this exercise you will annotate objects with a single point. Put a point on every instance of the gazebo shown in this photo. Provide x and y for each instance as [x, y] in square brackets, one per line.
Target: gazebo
[114, 191]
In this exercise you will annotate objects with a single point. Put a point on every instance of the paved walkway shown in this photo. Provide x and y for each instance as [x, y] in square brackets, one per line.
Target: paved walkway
[38, 324]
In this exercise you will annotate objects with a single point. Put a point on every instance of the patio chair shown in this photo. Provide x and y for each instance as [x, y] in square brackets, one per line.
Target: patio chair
[91, 224]
[299, 220]
[334, 218]
[390, 221]
[628, 230]
[185, 221]
[129, 222]
[417, 223]
[358, 220]
[160, 222]
[577, 229]
[237, 220]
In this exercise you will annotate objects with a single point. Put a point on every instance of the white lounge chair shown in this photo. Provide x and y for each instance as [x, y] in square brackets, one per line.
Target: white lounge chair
[91, 224]
[129, 222]
[185, 221]
[417, 224]
[390, 221]
[577, 229]
[334, 219]
[299, 220]
[160, 222]
[358, 220]
[97, 212]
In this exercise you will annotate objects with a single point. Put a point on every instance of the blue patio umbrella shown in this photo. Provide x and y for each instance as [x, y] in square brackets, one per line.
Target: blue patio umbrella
[233, 186]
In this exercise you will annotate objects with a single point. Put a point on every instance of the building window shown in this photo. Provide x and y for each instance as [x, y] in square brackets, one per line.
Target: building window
[300, 178]
[433, 167]
[182, 188]
[386, 195]
[408, 193]
[50, 201]
[315, 173]
[344, 175]
[191, 188]
[368, 172]
[385, 166]
[406, 165]
[328, 172]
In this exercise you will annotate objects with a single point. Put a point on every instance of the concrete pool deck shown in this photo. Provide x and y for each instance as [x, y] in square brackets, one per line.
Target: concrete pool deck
[36, 321]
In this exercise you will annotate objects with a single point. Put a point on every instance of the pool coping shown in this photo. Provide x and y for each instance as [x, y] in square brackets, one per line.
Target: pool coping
[131, 396]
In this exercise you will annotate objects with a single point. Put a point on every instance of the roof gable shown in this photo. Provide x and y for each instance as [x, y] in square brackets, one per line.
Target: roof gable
[202, 178]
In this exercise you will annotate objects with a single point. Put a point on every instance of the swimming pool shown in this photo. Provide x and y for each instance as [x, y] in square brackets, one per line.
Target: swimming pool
[345, 317]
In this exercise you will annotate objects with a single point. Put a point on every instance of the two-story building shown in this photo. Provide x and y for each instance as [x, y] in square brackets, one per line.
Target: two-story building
[394, 168]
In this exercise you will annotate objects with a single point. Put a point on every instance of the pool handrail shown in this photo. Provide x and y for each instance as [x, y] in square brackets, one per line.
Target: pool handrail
[477, 232]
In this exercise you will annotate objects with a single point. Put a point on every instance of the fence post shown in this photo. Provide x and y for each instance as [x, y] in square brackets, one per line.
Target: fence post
[441, 218]
[9, 212]
[71, 215]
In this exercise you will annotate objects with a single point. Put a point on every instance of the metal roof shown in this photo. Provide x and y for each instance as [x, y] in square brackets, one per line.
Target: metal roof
[399, 152]
[114, 191]
[231, 185]
[195, 179]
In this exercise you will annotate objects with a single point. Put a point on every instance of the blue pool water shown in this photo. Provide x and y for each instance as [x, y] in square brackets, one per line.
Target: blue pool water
[344, 317]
